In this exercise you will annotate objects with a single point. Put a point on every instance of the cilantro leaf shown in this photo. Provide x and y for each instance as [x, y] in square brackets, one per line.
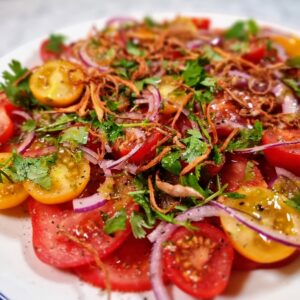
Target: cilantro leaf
[147, 81]
[171, 162]
[294, 201]
[195, 146]
[210, 54]
[242, 30]
[133, 49]
[138, 223]
[111, 129]
[234, 195]
[194, 72]
[29, 125]
[294, 85]
[34, 169]
[77, 135]
[294, 62]
[217, 156]
[116, 223]
[192, 181]
[247, 137]
[55, 43]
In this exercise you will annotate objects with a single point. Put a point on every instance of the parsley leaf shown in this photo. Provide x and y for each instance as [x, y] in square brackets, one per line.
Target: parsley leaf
[294, 201]
[247, 137]
[77, 135]
[133, 49]
[195, 146]
[294, 62]
[34, 169]
[171, 162]
[194, 72]
[147, 81]
[242, 30]
[138, 223]
[293, 84]
[116, 223]
[55, 43]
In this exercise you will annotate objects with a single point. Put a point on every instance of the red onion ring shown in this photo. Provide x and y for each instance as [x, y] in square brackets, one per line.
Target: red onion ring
[90, 155]
[239, 74]
[29, 138]
[88, 203]
[267, 146]
[41, 152]
[22, 114]
[286, 173]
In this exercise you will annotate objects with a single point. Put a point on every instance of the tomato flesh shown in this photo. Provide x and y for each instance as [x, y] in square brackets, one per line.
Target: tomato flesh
[199, 262]
[128, 267]
[287, 157]
[6, 126]
[201, 23]
[47, 54]
[256, 54]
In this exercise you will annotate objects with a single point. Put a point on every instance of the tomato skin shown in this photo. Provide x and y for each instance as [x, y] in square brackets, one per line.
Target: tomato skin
[233, 173]
[201, 23]
[57, 250]
[256, 54]
[47, 54]
[287, 157]
[214, 273]
[127, 272]
[6, 126]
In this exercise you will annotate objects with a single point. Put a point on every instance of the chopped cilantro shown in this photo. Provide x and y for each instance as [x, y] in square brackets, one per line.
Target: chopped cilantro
[133, 49]
[195, 146]
[247, 137]
[294, 201]
[116, 223]
[294, 85]
[294, 62]
[55, 43]
[147, 81]
[138, 223]
[194, 72]
[34, 169]
[209, 82]
[217, 156]
[242, 30]
[171, 162]
[210, 54]
[234, 195]
[249, 171]
[111, 129]
[77, 135]
[203, 97]
[61, 123]
[29, 125]
[192, 181]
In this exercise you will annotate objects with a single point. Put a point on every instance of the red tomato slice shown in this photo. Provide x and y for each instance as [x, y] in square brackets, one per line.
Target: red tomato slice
[256, 54]
[54, 248]
[201, 23]
[144, 154]
[234, 173]
[287, 157]
[6, 126]
[199, 262]
[128, 267]
[47, 54]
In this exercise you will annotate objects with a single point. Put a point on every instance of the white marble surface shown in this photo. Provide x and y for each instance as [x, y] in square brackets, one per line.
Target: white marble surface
[24, 20]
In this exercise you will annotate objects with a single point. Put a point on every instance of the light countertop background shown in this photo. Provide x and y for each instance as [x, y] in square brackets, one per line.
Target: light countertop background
[24, 20]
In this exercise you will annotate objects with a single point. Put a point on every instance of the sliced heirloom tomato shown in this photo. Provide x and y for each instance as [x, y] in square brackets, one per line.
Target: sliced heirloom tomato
[69, 178]
[127, 267]
[270, 207]
[6, 126]
[291, 44]
[287, 157]
[11, 194]
[199, 262]
[57, 83]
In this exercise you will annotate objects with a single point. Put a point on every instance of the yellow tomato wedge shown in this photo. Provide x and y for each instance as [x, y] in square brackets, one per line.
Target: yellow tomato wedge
[57, 83]
[69, 178]
[11, 194]
[261, 203]
[290, 44]
[171, 94]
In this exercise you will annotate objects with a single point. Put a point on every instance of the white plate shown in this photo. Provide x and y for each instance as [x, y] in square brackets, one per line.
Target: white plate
[24, 277]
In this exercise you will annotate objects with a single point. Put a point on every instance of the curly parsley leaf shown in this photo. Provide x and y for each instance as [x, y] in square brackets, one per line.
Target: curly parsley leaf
[171, 162]
[75, 135]
[116, 223]
[55, 43]
[242, 30]
[195, 146]
[36, 170]
[138, 223]
[247, 137]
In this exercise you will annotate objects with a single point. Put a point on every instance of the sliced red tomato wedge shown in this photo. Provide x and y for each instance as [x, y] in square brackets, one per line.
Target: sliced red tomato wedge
[144, 154]
[239, 171]
[199, 262]
[287, 157]
[52, 224]
[127, 267]
[201, 23]
[6, 126]
[256, 54]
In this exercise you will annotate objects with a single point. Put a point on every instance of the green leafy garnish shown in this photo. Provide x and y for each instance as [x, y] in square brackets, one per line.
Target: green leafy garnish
[133, 49]
[242, 30]
[77, 135]
[203, 97]
[195, 146]
[247, 138]
[116, 223]
[147, 81]
[55, 43]
[294, 201]
[217, 156]
[210, 54]
[36, 170]
[193, 181]
[194, 72]
[293, 84]
[294, 62]
[240, 47]
[234, 195]
[249, 171]
[171, 162]
[28, 126]
[138, 223]
[110, 128]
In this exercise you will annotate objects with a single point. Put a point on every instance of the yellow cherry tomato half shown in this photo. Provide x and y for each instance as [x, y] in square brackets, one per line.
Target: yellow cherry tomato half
[69, 178]
[57, 83]
[11, 194]
[290, 44]
[274, 213]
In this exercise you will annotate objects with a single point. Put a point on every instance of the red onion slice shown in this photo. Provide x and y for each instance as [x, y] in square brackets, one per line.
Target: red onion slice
[90, 155]
[292, 241]
[40, 152]
[29, 138]
[286, 173]
[21, 114]
[194, 44]
[88, 203]
[267, 146]
[239, 74]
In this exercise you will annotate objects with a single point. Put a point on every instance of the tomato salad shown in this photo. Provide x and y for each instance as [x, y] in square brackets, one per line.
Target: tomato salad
[171, 140]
